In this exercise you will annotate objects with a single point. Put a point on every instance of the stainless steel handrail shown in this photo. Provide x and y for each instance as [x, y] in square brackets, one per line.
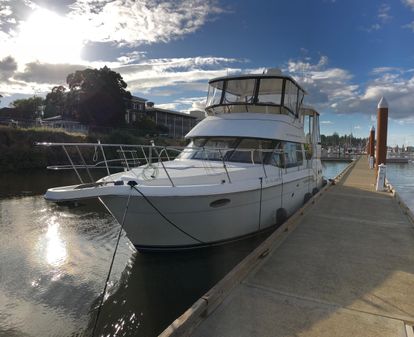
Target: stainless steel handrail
[161, 153]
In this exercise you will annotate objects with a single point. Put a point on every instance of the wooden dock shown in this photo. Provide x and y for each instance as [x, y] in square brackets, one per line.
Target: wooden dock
[341, 266]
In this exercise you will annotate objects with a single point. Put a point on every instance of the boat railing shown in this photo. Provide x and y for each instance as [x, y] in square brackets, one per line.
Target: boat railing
[108, 157]
[124, 157]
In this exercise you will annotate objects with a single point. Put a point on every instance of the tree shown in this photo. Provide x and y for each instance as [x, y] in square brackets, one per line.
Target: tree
[97, 96]
[56, 102]
[27, 108]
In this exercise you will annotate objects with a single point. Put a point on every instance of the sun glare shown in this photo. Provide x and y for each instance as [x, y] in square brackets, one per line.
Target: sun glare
[48, 37]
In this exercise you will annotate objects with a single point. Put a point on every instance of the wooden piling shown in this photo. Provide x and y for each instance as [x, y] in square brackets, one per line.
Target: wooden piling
[371, 149]
[382, 126]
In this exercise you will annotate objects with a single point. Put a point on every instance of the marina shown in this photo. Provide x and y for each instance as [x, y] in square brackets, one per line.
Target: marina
[206, 168]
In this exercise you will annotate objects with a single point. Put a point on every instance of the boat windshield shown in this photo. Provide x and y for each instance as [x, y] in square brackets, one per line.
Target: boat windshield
[230, 149]
[279, 95]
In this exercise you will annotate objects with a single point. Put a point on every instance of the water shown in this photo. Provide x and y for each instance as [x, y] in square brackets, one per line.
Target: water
[401, 176]
[332, 168]
[54, 261]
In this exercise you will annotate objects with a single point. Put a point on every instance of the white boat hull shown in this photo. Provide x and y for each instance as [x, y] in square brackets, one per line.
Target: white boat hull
[160, 223]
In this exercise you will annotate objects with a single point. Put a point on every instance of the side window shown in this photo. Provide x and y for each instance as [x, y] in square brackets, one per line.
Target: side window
[299, 154]
[278, 158]
[290, 154]
[293, 154]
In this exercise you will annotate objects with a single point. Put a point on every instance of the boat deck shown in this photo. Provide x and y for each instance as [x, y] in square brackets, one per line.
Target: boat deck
[343, 266]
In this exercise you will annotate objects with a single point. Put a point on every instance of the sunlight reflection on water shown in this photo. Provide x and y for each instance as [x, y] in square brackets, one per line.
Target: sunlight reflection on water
[55, 247]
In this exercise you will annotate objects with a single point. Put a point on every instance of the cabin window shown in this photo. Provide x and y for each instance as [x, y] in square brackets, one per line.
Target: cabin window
[231, 149]
[252, 150]
[278, 158]
[291, 96]
[270, 91]
[239, 91]
[299, 154]
[214, 94]
[213, 148]
[287, 154]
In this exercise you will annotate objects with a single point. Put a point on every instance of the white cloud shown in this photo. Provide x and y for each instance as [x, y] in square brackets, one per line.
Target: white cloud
[157, 77]
[332, 89]
[381, 70]
[409, 26]
[57, 31]
[373, 27]
[383, 17]
[133, 22]
[168, 106]
[384, 13]
[409, 3]
[127, 22]
[328, 88]
[187, 73]
[327, 122]
[185, 104]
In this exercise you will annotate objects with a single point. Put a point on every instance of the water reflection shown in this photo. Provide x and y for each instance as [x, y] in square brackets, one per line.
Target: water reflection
[55, 247]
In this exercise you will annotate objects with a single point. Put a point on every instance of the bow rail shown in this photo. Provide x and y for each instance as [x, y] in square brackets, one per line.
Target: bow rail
[118, 157]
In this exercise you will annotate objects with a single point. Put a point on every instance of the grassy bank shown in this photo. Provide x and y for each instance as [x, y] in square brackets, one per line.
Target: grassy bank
[18, 150]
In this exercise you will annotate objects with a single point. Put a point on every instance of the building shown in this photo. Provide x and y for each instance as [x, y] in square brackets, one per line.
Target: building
[58, 122]
[178, 123]
[135, 109]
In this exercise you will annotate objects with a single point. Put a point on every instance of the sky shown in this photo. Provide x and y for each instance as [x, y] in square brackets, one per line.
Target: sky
[346, 54]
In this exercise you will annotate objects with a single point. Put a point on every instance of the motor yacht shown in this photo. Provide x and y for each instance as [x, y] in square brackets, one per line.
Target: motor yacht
[249, 165]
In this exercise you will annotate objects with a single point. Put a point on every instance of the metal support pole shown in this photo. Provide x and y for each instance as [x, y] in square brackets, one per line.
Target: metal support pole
[73, 166]
[123, 154]
[225, 167]
[104, 157]
[84, 163]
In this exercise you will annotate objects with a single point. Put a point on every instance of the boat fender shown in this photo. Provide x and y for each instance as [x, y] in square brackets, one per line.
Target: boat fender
[281, 216]
[307, 197]
[315, 190]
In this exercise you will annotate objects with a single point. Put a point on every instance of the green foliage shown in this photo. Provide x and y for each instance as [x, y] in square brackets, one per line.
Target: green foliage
[55, 102]
[335, 140]
[18, 150]
[97, 96]
[27, 108]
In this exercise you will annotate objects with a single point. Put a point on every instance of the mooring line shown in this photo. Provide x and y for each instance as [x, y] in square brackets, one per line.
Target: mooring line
[260, 202]
[163, 216]
[112, 263]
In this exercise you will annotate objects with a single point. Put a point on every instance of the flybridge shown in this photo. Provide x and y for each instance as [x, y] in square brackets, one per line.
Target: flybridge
[270, 92]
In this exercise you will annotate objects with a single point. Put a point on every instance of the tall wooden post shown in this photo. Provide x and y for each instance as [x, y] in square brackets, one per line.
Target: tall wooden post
[382, 126]
[371, 149]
